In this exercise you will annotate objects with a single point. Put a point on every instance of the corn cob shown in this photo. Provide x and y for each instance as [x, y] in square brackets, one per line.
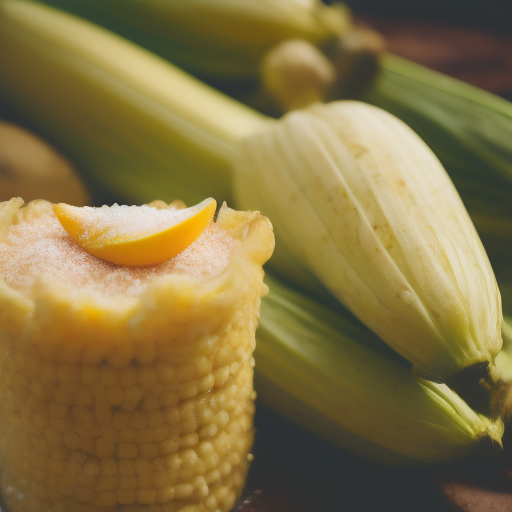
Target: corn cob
[468, 129]
[377, 219]
[78, 58]
[116, 109]
[141, 402]
[216, 40]
[314, 366]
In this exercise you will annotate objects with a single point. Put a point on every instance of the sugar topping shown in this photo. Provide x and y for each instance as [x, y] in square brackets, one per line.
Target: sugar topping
[109, 222]
[40, 246]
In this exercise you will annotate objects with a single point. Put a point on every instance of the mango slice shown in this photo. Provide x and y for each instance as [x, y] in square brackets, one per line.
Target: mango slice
[135, 235]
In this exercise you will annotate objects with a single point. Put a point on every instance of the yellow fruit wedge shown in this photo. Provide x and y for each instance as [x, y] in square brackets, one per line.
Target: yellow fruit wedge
[135, 235]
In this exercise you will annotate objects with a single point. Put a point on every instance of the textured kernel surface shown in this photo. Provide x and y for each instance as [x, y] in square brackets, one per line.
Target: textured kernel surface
[154, 416]
[75, 439]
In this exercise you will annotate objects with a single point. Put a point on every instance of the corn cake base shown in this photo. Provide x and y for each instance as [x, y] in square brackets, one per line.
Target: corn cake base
[131, 403]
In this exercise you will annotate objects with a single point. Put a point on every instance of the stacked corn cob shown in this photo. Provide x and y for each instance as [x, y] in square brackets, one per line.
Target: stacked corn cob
[156, 116]
[143, 402]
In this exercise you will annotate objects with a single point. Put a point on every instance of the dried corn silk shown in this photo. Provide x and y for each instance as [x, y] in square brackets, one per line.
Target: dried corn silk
[139, 405]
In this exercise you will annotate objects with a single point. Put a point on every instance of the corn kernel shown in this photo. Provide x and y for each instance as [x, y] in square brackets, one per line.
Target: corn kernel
[145, 481]
[164, 494]
[142, 466]
[156, 418]
[182, 491]
[114, 395]
[128, 435]
[147, 376]
[91, 468]
[146, 353]
[149, 450]
[146, 496]
[189, 440]
[109, 466]
[169, 399]
[126, 467]
[59, 452]
[171, 415]
[89, 373]
[87, 445]
[126, 496]
[150, 402]
[127, 451]
[105, 499]
[169, 445]
[128, 481]
[58, 410]
[104, 448]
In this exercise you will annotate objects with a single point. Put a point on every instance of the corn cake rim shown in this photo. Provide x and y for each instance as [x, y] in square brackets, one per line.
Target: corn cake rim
[252, 229]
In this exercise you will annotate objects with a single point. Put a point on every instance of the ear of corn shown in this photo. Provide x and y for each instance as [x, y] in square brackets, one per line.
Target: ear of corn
[215, 39]
[469, 130]
[138, 125]
[314, 366]
[367, 206]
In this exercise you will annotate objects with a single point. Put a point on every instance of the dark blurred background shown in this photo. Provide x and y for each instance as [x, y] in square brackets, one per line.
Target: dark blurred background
[491, 14]
[471, 41]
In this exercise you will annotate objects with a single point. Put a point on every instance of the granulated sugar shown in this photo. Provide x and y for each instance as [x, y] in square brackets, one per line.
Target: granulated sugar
[42, 247]
[110, 222]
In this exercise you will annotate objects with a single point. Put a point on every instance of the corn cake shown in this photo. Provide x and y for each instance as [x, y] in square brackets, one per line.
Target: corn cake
[126, 389]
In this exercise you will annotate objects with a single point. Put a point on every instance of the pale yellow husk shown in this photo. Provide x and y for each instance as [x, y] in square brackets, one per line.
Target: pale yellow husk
[360, 201]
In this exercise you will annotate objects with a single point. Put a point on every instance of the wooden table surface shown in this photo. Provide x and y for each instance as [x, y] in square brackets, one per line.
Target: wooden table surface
[294, 472]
